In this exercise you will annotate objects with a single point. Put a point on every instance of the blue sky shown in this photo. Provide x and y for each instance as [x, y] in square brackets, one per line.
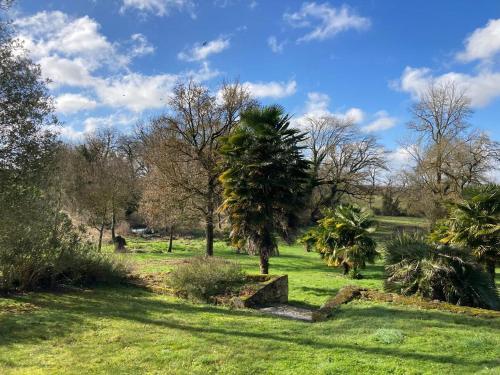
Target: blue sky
[113, 62]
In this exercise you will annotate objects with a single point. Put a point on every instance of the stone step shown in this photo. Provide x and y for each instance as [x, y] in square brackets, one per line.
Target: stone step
[290, 312]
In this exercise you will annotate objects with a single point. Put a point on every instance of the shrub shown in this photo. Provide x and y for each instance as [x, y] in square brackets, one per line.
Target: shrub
[50, 252]
[414, 267]
[204, 277]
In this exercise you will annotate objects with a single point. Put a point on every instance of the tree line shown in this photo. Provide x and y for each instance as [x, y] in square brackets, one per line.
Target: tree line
[220, 160]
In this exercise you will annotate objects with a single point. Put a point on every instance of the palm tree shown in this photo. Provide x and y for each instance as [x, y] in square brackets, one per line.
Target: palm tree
[416, 267]
[475, 223]
[265, 180]
[344, 238]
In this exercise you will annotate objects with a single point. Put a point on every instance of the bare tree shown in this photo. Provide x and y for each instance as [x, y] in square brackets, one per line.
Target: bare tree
[343, 160]
[439, 119]
[164, 206]
[187, 141]
[447, 156]
[99, 182]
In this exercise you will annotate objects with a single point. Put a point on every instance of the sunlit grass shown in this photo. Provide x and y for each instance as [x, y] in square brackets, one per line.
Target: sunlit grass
[124, 330]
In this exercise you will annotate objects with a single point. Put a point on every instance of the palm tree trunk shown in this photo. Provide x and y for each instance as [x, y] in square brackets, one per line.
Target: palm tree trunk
[346, 268]
[264, 260]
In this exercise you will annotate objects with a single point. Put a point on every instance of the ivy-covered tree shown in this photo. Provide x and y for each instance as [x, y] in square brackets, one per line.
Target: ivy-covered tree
[265, 180]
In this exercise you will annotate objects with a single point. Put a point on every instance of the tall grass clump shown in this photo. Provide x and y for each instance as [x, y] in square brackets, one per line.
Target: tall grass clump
[202, 278]
[415, 267]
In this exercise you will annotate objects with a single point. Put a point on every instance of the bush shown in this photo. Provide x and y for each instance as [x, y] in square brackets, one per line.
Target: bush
[204, 277]
[414, 267]
[50, 252]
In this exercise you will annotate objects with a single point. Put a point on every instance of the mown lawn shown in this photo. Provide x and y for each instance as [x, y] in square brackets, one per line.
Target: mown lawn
[124, 330]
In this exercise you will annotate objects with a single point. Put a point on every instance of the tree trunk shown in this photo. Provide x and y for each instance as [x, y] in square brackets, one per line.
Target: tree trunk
[171, 238]
[101, 231]
[264, 260]
[209, 218]
[209, 236]
[490, 268]
[113, 222]
[346, 268]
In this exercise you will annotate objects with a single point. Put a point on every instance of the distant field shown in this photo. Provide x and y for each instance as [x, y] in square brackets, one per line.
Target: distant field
[124, 330]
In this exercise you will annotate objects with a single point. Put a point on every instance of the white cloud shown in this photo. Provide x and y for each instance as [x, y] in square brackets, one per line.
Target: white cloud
[135, 91]
[483, 43]
[55, 33]
[90, 124]
[83, 58]
[481, 88]
[73, 53]
[62, 71]
[271, 89]
[140, 45]
[317, 105]
[201, 51]
[354, 114]
[205, 73]
[325, 21]
[382, 122]
[399, 158]
[72, 103]
[159, 7]
[275, 46]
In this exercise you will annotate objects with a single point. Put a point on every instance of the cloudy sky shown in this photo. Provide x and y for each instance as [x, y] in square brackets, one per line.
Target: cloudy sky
[113, 62]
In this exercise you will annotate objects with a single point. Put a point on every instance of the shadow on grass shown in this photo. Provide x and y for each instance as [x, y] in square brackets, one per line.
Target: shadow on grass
[63, 314]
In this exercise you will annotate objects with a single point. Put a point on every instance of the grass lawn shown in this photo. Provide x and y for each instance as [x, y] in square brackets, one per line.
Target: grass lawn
[124, 330]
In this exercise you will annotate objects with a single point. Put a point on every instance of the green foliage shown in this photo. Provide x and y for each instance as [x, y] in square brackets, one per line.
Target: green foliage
[446, 274]
[474, 223]
[409, 246]
[390, 204]
[52, 253]
[308, 239]
[344, 238]
[201, 278]
[265, 180]
[388, 336]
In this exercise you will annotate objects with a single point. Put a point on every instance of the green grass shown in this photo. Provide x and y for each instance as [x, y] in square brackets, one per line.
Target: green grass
[129, 331]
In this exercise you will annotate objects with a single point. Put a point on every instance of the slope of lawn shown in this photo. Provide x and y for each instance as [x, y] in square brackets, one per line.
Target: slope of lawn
[124, 330]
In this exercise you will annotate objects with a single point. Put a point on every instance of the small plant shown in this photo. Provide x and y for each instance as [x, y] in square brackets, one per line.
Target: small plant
[202, 278]
[388, 336]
